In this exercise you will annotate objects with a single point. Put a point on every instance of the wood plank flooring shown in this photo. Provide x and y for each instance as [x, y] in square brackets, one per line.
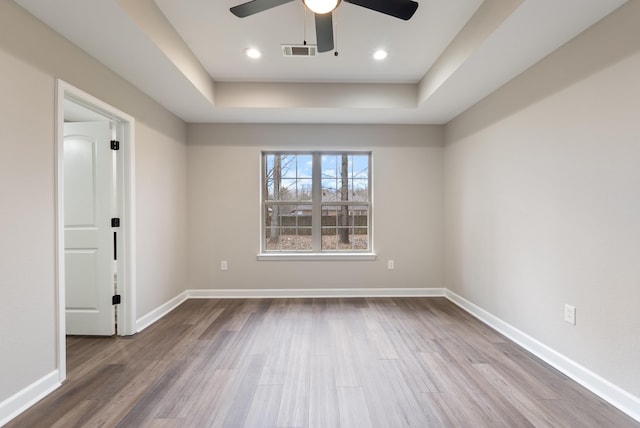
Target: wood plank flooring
[379, 362]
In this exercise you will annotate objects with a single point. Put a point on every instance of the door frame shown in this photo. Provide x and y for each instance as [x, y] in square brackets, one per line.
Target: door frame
[125, 131]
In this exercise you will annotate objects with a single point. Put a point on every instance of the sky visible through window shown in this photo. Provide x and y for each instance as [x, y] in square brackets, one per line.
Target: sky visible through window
[357, 177]
[297, 171]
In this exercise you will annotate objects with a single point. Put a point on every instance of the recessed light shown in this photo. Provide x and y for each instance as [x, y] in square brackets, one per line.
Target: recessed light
[252, 53]
[379, 55]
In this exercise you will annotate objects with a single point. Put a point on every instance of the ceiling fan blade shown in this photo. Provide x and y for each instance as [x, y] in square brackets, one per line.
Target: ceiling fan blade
[324, 32]
[252, 7]
[403, 9]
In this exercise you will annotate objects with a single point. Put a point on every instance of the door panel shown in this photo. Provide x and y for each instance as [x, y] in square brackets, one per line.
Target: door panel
[80, 266]
[88, 234]
[80, 157]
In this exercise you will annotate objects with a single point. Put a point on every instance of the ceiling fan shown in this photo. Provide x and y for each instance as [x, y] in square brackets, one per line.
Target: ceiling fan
[322, 9]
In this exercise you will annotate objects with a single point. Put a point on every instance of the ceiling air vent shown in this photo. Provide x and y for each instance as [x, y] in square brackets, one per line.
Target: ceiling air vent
[299, 50]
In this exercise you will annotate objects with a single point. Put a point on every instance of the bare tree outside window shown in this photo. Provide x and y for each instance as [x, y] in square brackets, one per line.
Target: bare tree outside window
[343, 219]
[276, 178]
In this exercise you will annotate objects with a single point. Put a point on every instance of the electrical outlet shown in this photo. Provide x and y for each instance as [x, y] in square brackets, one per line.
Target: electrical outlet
[224, 265]
[391, 265]
[570, 314]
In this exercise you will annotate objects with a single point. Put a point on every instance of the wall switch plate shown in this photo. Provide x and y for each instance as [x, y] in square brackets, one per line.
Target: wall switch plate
[391, 265]
[223, 265]
[570, 314]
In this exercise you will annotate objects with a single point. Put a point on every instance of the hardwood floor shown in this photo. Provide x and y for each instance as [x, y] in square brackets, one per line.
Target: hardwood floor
[380, 362]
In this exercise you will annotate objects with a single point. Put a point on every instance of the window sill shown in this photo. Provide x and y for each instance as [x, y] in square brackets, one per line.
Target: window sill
[316, 256]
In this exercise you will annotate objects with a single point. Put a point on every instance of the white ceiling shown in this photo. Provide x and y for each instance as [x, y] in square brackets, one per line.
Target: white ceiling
[188, 55]
[218, 39]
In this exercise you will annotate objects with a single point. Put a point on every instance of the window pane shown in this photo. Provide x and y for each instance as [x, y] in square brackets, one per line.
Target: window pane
[359, 190]
[359, 233]
[288, 165]
[269, 191]
[303, 240]
[360, 166]
[305, 166]
[268, 177]
[329, 189]
[288, 189]
[288, 177]
[342, 190]
[272, 243]
[272, 227]
[329, 166]
[269, 160]
[329, 178]
[288, 228]
[332, 240]
[345, 228]
[345, 177]
[304, 189]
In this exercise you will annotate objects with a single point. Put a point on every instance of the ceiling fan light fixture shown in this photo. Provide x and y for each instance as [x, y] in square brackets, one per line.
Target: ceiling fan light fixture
[321, 6]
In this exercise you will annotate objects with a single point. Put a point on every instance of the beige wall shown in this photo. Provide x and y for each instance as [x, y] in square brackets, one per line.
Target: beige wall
[224, 209]
[31, 58]
[542, 190]
[28, 319]
[161, 227]
[540, 182]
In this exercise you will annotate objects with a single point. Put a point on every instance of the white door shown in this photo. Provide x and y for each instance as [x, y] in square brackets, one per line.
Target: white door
[89, 239]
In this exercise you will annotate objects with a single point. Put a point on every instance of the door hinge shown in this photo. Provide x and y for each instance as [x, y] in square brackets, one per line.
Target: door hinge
[115, 222]
[116, 300]
[115, 145]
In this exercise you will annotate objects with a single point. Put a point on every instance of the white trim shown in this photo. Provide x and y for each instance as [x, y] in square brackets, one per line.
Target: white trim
[22, 400]
[313, 292]
[606, 390]
[127, 280]
[275, 256]
[160, 311]
[128, 312]
[61, 326]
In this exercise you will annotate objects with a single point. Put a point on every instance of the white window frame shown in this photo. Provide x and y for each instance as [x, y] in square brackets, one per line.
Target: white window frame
[316, 204]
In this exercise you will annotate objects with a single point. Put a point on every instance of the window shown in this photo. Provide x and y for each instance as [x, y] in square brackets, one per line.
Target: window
[317, 202]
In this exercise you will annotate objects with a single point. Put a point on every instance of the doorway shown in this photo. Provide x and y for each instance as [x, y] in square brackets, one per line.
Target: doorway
[91, 116]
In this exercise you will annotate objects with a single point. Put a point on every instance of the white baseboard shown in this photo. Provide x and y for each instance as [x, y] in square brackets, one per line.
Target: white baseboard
[18, 403]
[314, 292]
[160, 311]
[606, 390]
